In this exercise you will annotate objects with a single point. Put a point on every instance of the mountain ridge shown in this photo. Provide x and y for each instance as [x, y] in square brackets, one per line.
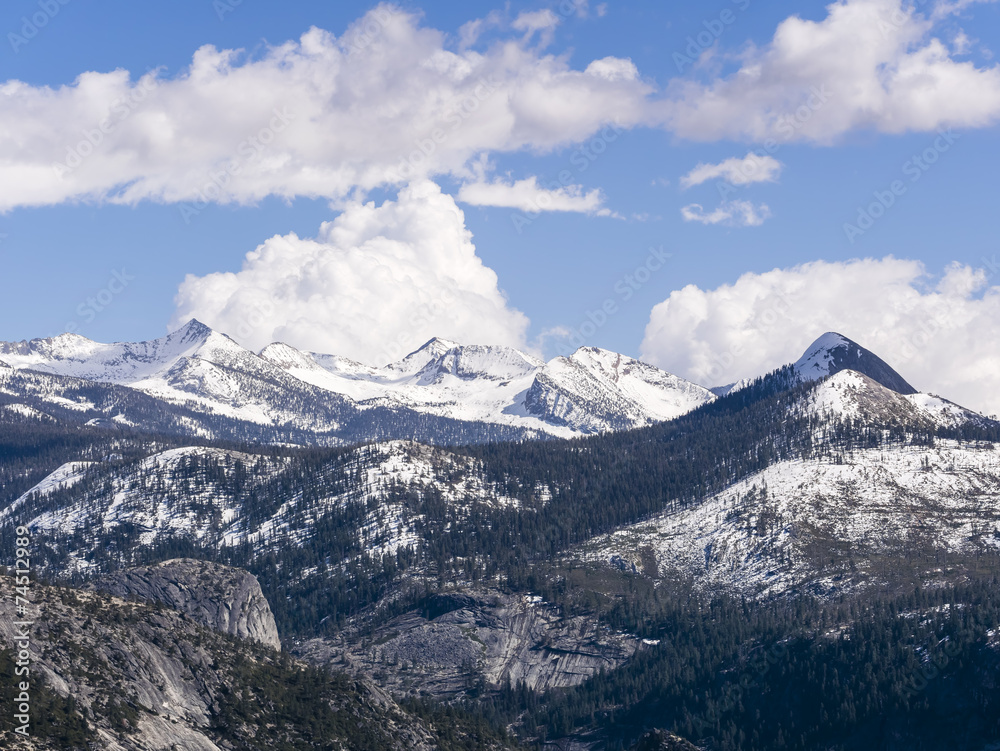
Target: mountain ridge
[198, 382]
[486, 385]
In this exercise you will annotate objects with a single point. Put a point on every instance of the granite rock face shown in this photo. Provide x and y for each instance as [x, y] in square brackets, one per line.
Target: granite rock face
[458, 641]
[225, 599]
[145, 677]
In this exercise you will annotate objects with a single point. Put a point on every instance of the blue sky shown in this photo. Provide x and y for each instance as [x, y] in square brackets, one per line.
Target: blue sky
[63, 244]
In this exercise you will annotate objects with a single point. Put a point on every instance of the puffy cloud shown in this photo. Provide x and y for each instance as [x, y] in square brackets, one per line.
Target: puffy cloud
[753, 168]
[870, 64]
[614, 69]
[386, 103]
[730, 213]
[939, 333]
[391, 101]
[528, 195]
[376, 283]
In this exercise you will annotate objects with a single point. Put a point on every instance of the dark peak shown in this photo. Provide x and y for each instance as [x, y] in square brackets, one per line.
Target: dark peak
[833, 352]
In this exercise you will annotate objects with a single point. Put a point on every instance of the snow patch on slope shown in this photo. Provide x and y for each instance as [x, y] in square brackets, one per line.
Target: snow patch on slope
[66, 476]
[851, 395]
[24, 410]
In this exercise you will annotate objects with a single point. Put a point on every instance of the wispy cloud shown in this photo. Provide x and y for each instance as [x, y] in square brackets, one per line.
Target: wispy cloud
[753, 168]
[527, 195]
[730, 213]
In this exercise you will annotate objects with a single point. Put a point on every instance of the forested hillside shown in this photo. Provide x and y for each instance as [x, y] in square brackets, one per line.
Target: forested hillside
[344, 540]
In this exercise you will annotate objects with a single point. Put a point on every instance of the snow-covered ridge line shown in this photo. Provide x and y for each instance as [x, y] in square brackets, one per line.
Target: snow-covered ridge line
[591, 391]
[443, 392]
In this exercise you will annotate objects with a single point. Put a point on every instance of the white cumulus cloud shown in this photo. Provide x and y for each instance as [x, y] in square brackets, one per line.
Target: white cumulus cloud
[730, 213]
[390, 101]
[387, 102]
[870, 64]
[939, 333]
[614, 69]
[753, 168]
[377, 282]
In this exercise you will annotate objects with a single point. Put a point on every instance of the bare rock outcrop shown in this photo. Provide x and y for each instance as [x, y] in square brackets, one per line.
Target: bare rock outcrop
[458, 641]
[125, 675]
[226, 599]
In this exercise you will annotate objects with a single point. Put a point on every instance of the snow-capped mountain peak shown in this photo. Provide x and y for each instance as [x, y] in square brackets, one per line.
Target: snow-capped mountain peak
[489, 362]
[419, 358]
[816, 361]
[833, 352]
[593, 386]
[288, 358]
[37, 351]
[593, 390]
[193, 331]
[123, 362]
[77, 356]
[486, 388]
